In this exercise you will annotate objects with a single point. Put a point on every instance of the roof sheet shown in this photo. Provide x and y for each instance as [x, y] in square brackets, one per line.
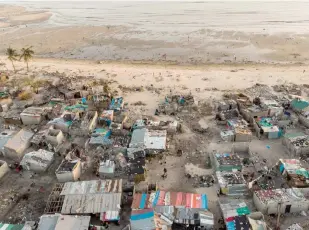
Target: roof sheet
[73, 222]
[299, 104]
[92, 187]
[91, 203]
[149, 139]
[48, 222]
[11, 226]
[232, 208]
[189, 200]
[143, 220]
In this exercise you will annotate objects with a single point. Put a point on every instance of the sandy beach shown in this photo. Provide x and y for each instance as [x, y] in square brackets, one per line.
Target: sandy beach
[206, 62]
[138, 52]
[205, 82]
[187, 33]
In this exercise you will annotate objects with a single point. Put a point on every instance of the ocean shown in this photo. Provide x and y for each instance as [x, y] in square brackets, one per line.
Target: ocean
[174, 16]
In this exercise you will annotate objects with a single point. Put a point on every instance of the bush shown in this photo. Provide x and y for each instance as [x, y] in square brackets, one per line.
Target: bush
[25, 95]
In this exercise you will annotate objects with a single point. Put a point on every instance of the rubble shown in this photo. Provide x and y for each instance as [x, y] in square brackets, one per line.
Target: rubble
[78, 134]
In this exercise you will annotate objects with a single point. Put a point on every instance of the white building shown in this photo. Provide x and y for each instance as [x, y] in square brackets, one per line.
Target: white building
[32, 116]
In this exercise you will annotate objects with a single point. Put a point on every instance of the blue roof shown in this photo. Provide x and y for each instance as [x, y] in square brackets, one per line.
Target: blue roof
[143, 219]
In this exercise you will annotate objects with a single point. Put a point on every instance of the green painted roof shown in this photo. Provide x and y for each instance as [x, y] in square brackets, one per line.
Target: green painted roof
[299, 104]
[11, 226]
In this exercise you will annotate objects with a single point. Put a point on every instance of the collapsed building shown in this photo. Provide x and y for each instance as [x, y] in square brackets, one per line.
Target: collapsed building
[227, 162]
[232, 183]
[295, 174]
[289, 200]
[101, 197]
[38, 161]
[69, 171]
[296, 143]
[264, 127]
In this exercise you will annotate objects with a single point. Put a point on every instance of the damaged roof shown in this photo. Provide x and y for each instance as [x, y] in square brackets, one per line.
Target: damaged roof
[276, 195]
[38, 159]
[148, 139]
[92, 187]
[95, 196]
[230, 178]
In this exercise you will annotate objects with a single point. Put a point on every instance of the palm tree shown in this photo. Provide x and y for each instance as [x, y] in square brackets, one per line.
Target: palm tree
[26, 54]
[12, 56]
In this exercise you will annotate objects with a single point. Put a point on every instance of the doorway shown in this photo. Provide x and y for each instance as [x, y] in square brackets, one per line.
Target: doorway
[288, 208]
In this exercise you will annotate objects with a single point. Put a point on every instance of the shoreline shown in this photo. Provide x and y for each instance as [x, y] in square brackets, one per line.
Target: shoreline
[163, 64]
[136, 43]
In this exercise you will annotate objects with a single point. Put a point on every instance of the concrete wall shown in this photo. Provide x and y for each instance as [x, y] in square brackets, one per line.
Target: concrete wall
[70, 176]
[30, 120]
[55, 139]
[4, 168]
[18, 152]
[93, 122]
[272, 208]
[259, 205]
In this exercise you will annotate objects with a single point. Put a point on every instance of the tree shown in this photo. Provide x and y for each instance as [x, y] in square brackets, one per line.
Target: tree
[26, 54]
[12, 56]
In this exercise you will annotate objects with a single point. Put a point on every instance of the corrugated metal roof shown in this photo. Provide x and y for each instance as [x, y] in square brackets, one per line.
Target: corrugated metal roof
[92, 187]
[137, 139]
[11, 226]
[48, 222]
[189, 200]
[143, 220]
[148, 139]
[91, 203]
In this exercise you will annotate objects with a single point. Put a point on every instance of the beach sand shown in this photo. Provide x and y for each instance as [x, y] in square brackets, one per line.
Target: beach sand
[231, 61]
[205, 82]
[234, 35]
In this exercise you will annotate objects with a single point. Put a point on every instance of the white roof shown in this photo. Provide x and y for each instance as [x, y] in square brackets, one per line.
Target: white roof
[73, 222]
